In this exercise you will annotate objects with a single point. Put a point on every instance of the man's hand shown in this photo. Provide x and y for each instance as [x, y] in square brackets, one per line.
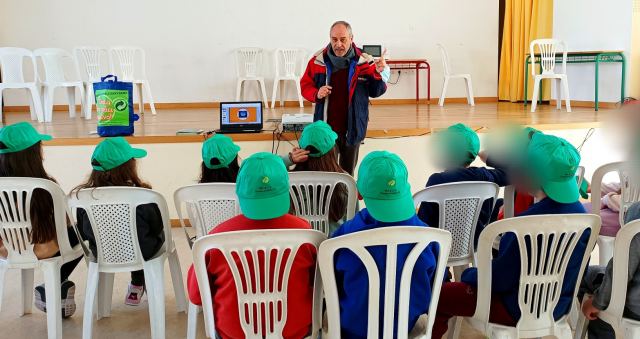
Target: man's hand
[589, 311]
[298, 155]
[381, 63]
[323, 92]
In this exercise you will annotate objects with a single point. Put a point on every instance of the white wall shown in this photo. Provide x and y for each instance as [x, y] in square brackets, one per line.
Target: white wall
[591, 25]
[189, 43]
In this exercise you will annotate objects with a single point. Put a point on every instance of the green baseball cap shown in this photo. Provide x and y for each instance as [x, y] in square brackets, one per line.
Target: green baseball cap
[113, 152]
[383, 184]
[461, 143]
[320, 136]
[553, 162]
[19, 136]
[219, 147]
[263, 187]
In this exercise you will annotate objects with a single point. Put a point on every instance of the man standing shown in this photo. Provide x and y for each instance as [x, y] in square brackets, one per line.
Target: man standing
[340, 79]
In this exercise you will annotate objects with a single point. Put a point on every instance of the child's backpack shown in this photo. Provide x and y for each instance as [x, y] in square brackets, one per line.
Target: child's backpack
[114, 106]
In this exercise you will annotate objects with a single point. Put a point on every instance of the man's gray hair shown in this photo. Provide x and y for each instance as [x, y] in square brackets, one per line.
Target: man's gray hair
[343, 23]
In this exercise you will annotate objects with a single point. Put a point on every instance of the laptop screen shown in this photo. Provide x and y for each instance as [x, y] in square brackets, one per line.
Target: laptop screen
[241, 115]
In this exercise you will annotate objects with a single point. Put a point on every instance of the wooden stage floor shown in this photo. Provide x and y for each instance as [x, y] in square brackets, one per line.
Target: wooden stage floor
[385, 121]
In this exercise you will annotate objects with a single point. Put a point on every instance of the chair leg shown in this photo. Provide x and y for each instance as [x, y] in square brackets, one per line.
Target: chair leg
[444, 92]
[581, 326]
[565, 87]
[27, 290]
[51, 270]
[93, 277]
[152, 104]
[192, 321]
[264, 93]
[276, 82]
[176, 280]
[299, 92]
[32, 108]
[282, 92]
[71, 96]
[536, 90]
[239, 90]
[154, 283]
[89, 99]
[140, 98]
[105, 294]
[3, 270]
[37, 103]
[470, 99]
[558, 84]
[47, 102]
[83, 101]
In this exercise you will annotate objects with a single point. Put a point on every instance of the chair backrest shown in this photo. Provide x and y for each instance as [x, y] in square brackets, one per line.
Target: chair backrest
[12, 64]
[546, 244]
[547, 50]
[459, 205]
[126, 59]
[53, 60]
[262, 289]
[446, 62]
[288, 62]
[249, 61]
[15, 217]
[614, 313]
[391, 238]
[207, 205]
[311, 193]
[93, 61]
[630, 189]
[112, 214]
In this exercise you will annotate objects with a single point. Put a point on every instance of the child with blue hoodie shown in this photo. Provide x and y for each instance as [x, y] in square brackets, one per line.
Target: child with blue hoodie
[551, 164]
[382, 182]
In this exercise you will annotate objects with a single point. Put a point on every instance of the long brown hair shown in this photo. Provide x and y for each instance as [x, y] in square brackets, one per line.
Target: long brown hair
[28, 163]
[123, 175]
[328, 163]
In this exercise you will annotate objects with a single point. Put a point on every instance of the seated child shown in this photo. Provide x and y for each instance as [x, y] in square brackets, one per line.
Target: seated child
[383, 184]
[114, 164]
[263, 192]
[219, 160]
[550, 176]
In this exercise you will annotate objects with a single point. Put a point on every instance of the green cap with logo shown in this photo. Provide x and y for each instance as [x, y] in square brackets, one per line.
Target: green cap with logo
[219, 147]
[113, 152]
[383, 184]
[461, 143]
[19, 136]
[263, 187]
[320, 136]
[553, 162]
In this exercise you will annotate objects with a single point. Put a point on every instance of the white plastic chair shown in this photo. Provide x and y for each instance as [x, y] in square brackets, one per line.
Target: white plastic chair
[127, 59]
[15, 230]
[13, 77]
[112, 214]
[391, 237]
[614, 314]
[448, 75]
[249, 68]
[238, 248]
[207, 205]
[311, 193]
[630, 193]
[54, 60]
[539, 288]
[289, 67]
[95, 63]
[548, 48]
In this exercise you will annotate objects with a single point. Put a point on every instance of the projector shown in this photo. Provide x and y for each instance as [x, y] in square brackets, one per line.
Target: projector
[296, 122]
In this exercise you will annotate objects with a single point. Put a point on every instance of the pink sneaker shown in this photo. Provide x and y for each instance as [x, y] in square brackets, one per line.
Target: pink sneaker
[134, 295]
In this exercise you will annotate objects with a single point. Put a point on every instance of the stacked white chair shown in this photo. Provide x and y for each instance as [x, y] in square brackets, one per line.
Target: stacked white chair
[311, 193]
[13, 77]
[289, 67]
[15, 230]
[131, 67]
[624, 328]
[556, 235]
[246, 246]
[630, 193]
[548, 49]
[448, 75]
[391, 238]
[95, 63]
[249, 68]
[112, 213]
[55, 75]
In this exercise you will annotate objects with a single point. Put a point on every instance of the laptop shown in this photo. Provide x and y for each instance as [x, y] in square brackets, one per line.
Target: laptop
[373, 50]
[241, 117]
